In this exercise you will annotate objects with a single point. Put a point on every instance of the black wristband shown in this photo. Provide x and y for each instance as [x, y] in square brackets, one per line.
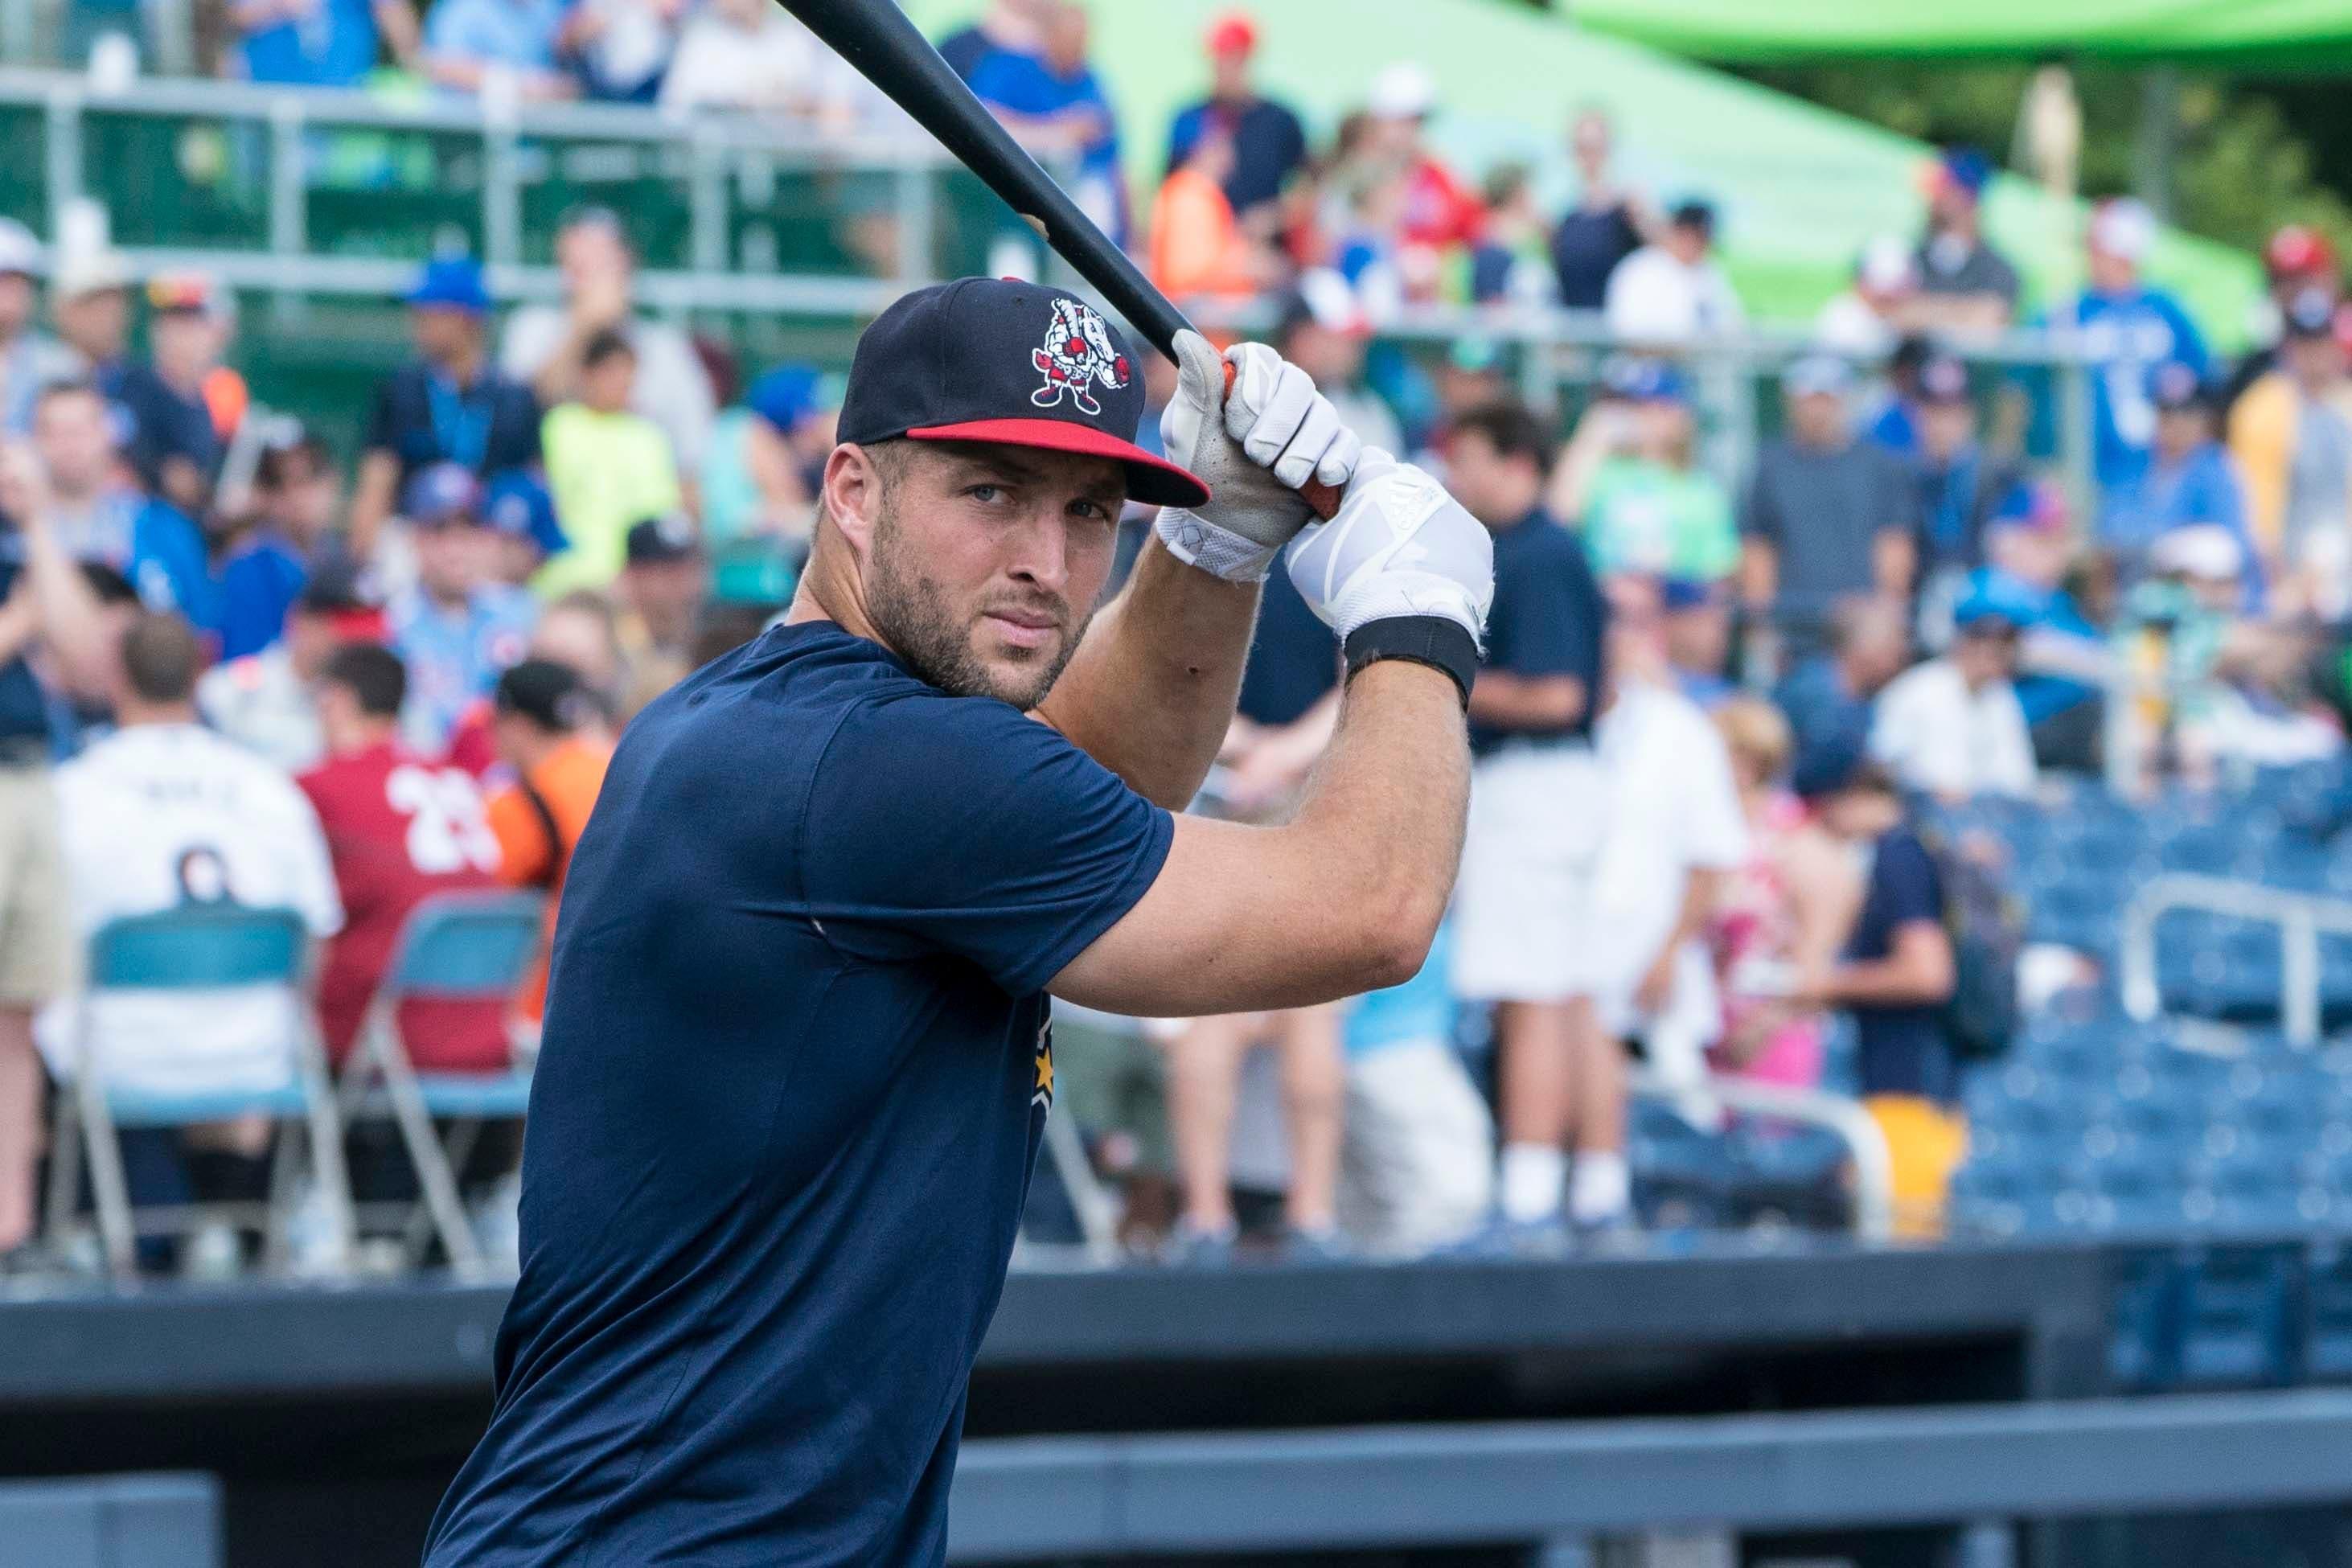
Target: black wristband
[1440, 642]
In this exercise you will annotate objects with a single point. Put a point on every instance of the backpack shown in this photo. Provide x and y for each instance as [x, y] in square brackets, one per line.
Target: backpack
[1986, 922]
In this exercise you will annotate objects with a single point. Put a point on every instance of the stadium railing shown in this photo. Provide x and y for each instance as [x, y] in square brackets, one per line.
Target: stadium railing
[2300, 916]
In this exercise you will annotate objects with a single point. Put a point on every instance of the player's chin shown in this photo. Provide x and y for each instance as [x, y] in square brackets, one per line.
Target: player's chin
[1020, 670]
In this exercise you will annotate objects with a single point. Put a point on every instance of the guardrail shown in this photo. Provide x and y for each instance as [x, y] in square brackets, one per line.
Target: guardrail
[1555, 1487]
[1873, 1166]
[2300, 916]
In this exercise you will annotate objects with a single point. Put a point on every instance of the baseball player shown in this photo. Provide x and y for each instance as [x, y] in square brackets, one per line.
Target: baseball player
[798, 1055]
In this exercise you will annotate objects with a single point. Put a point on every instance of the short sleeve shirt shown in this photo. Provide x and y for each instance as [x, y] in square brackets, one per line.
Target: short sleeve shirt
[1646, 517]
[1902, 1050]
[421, 418]
[796, 1064]
[1547, 619]
[1822, 510]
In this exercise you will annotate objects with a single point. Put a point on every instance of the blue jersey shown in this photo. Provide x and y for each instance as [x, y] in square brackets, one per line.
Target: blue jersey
[455, 654]
[158, 550]
[2126, 336]
[796, 1064]
[259, 583]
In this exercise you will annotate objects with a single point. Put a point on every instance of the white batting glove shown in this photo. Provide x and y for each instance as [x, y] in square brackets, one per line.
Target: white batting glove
[1253, 449]
[1400, 547]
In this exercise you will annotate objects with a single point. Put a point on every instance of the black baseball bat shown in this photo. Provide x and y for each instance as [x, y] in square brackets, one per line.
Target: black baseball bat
[889, 50]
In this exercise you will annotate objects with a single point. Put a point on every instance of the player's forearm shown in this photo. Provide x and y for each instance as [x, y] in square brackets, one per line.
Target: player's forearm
[1152, 689]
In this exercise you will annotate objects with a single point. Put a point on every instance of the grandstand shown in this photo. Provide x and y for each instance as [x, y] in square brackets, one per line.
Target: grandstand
[2077, 1291]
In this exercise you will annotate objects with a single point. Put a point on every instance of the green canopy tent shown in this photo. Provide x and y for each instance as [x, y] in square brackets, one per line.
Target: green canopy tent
[2295, 35]
[1799, 189]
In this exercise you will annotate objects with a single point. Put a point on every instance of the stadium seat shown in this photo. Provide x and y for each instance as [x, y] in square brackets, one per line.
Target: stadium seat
[2144, 1349]
[456, 947]
[2237, 1319]
[199, 947]
[2327, 1312]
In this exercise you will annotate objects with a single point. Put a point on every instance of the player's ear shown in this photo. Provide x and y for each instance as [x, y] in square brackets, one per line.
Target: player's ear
[852, 494]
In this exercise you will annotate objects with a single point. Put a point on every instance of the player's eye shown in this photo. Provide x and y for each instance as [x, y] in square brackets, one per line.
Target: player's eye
[987, 494]
[1093, 509]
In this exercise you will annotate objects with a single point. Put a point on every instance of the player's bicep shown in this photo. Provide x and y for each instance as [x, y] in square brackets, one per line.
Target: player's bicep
[1231, 924]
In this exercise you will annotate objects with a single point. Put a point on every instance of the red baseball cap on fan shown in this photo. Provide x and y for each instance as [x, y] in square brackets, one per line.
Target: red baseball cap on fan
[996, 360]
[2297, 250]
[1233, 33]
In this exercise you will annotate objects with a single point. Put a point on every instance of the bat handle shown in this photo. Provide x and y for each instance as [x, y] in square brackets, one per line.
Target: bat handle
[1322, 499]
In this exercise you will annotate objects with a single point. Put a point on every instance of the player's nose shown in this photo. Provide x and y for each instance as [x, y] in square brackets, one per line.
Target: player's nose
[1042, 552]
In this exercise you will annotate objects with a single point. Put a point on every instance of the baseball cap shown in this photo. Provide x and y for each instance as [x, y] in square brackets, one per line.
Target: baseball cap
[1405, 90]
[443, 494]
[1943, 379]
[451, 283]
[997, 360]
[1678, 594]
[550, 695]
[1818, 375]
[1233, 33]
[20, 253]
[1693, 212]
[514, 502]
[658, 539]
[2204, 549]
[785, 396]
[346, 594]
[188, 293]
[2311, 313]
[1992, 602]
[2297, 250]
[1645, 381]
[2174, 386]
[87, 272]
[2123, 229]
[1966, 170]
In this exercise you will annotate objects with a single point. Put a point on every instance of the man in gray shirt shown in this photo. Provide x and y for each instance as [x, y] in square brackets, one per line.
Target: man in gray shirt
[1828, 514]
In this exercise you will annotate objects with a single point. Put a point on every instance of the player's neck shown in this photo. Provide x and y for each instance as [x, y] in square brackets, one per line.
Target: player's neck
[829, 592]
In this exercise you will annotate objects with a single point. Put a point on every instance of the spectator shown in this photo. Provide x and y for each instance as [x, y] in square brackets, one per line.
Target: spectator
[1322, 329]
[1866, 321]
[550, 733]
[2296, 260]
[1698, 640]
[318, 43]
[2064, 663]
[1417, 1162]
[1953, 727]
[1441, 212]
[163, 814]
[100, 516]
[1509, 261]
[263, 700]
[1896, 425]
[1368, 248]
[759, 481]
[1827, 697]
[521, 516]
[1671, 293]
[1609, 222]
[29, 358]
[1197, 246]
[1523, 916]
[2127, 330]
[167, 439]
[298, 492]
[399, 829]
[46, 610]
[544, 343]
[2293, 447]
[662, 591]
[190, 324]
[1965, 285]
[1828, 514]
[504, 49]
[622, 47]
[745, 55]
[449, 404]
[457, 627]
[1784, 914]
[1961, 487]
[1009, 26]
[1631, 480]
[1893, 980]
[1056, 107]
[2189, 480]
[581, 632]
[606, 467]
[1676, 837]
[1270, 146]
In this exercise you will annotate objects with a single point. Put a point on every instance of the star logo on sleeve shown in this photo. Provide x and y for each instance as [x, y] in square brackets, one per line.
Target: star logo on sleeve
[1044, 1097]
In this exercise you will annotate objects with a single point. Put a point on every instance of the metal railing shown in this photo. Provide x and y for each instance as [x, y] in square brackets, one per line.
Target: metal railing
[2300, 916]
[1865, 1141]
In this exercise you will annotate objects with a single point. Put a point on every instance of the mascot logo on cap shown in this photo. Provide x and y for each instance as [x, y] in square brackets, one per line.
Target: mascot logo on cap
[1077, 353]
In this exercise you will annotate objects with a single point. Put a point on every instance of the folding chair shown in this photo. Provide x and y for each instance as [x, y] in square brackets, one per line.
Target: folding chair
[196, 947]
[456, 947]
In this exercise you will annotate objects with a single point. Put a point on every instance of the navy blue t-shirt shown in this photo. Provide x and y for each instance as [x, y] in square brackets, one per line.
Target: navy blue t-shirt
[1270, 146]
[1902, 1050]
[1293, 659]
[23, 714]
[421, 418]
[1548, 619]
[795, 1066]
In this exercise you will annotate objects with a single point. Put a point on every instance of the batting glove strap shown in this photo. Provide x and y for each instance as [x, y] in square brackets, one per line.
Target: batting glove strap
[1220, 552]
[1441, 642]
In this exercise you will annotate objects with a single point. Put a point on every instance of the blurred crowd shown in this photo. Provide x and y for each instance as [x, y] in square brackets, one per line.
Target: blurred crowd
[1717, 713]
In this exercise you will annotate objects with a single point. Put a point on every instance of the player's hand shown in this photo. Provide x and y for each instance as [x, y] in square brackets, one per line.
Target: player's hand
[1400, 546]
[1253, 448]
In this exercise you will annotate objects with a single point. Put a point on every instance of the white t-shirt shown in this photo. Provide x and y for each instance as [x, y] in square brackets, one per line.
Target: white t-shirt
[157, 815]
[720, 65]
[1653, 298]
[1935, 735]
[1847, 325]
[1673, 808]
[672, 389]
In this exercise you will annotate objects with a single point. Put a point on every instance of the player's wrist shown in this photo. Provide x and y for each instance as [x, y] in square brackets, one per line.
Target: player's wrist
[1216, 550]
[1438, 641]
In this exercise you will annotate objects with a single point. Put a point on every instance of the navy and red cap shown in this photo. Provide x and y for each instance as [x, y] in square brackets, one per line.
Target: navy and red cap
[996, 360]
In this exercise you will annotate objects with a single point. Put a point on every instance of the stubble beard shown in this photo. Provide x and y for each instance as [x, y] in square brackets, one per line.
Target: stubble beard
[910, 610]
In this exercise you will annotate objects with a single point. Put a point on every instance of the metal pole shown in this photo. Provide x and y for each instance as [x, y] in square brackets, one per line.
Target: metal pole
[63, 164]
[289, 195]
[912, 186]
[2299, 975]
[501, 194]
[2160, 135]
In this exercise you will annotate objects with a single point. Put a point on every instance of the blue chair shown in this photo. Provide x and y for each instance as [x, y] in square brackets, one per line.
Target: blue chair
[2238, 1319]
[197, 947]
[454, 947]
[2327, 1313]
